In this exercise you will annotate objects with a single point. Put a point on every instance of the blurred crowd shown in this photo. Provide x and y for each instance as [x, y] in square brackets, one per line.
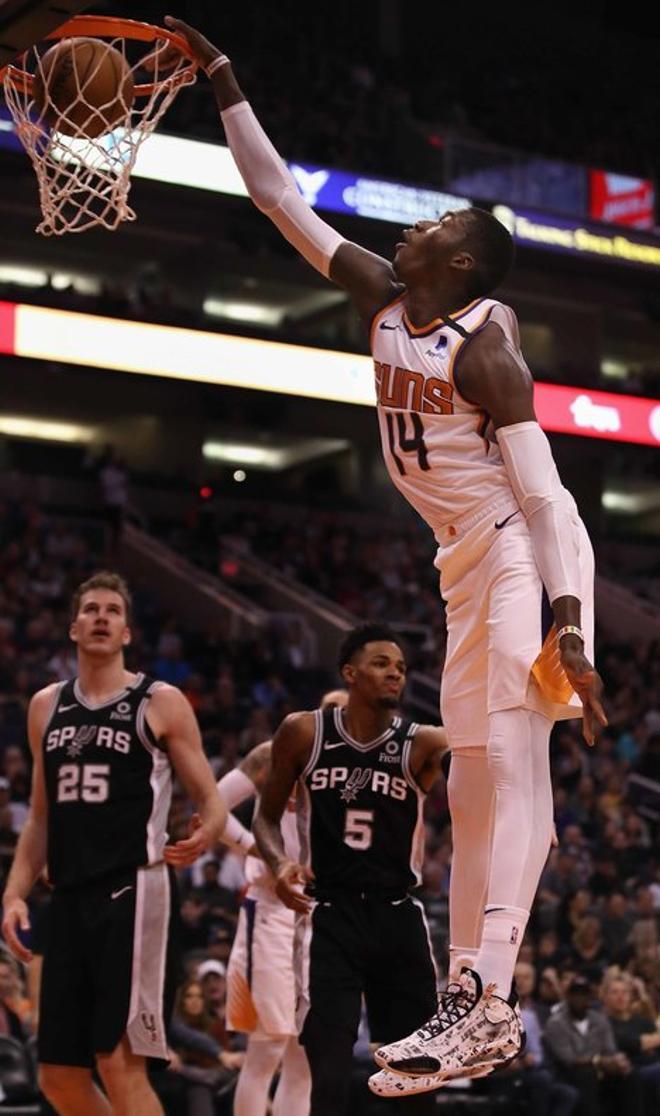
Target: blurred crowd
[589, 971]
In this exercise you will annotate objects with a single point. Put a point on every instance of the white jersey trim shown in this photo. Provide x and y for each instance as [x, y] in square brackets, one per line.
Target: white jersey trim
[364, 747]
[316, 746]
[145, 1028]
[55, 701]
[160, 781]
[93, 705]
[419, 833]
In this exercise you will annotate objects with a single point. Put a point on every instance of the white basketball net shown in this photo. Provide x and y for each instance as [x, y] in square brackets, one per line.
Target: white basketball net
[83, 182]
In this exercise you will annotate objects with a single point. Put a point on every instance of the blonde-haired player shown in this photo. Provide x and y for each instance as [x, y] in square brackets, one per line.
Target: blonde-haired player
[462, 443]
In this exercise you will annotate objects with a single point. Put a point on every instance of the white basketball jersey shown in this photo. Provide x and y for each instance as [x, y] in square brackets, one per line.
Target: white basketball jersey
[257, 873]
[440, 450]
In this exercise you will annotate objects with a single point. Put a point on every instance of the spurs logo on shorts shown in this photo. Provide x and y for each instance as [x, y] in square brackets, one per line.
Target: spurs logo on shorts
[148, 1021]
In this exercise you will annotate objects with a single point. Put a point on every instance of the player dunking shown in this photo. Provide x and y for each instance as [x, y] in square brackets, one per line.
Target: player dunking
[461, 442]
[104, 747]
[361, 774]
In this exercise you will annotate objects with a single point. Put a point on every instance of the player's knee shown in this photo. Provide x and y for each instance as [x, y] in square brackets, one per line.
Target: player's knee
[122, 1073]
[58, 1082]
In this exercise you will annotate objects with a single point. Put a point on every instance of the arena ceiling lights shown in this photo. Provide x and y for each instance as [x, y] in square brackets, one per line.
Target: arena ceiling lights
[219, 358]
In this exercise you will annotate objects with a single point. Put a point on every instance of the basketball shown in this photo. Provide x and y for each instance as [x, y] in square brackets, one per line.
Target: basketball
[83, 87]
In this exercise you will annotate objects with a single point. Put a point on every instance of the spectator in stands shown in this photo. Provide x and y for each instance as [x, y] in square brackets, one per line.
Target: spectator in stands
[202, 1045]
[548, 993]
[212, 975]
[15, 1016]
[644, 934]
[580, 1040]
[545, 1094]
[635, 1030]
[588, 948]
[113, 479]
[616, 925]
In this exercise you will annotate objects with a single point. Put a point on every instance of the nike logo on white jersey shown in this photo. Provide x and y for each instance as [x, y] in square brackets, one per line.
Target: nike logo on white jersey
[66, 708]
[116, 894]
[327, 747]
[384, 325]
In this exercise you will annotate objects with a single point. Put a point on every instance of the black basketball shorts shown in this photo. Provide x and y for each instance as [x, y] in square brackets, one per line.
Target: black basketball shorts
[109, 968]
[373, 946]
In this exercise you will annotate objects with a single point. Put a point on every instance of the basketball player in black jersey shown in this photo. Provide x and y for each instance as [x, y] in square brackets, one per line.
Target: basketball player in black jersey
[105, 747]
[362, 774]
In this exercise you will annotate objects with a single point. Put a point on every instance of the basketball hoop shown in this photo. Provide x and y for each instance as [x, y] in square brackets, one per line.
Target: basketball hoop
[84, 182]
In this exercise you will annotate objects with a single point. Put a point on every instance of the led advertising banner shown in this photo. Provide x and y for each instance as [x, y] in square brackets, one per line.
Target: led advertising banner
[362, 196]
[577, 238]
[209, 166]
[219, 358]
[619, 199]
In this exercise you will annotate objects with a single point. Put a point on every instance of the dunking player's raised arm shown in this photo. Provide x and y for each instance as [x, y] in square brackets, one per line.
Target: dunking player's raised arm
[493, 375]
[369, 279]
[30, 856]
[291, 750]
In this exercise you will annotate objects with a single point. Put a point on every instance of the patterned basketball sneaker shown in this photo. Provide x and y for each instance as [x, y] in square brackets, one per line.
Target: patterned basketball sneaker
[388, 1084]
[416, 1053]
[478, 1034]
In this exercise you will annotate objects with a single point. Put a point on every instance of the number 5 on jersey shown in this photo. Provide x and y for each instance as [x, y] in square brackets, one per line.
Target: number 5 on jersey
[358, 829]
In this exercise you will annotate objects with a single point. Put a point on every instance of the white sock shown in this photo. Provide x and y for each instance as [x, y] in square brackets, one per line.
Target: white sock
[519, 760]
[293, 1094]
[458, 958]
[262, 1059]
[502, 937]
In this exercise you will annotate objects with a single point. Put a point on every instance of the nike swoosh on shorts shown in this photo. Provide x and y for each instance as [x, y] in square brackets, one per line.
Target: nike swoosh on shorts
[116, 894]
[503, 523]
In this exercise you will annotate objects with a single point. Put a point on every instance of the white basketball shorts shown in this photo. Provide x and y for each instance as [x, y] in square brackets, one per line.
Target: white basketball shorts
[261, 995]
[502, 649]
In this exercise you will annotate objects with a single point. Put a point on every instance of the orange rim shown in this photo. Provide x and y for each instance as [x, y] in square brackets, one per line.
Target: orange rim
[112, 28]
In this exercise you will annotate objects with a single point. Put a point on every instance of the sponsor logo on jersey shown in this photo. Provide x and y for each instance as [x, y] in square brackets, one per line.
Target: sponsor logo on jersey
[440, 349]
[67, 708]
[391, 753]
[386, 325]
[122, 712]
[327, 747]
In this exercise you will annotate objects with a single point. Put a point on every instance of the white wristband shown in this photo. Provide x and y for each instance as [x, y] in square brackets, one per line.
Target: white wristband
[215, 64]
[570, 629]
[236, 834]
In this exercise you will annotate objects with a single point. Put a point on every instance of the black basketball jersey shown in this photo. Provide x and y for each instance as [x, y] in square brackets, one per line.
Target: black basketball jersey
[108, 785]
[360, 810]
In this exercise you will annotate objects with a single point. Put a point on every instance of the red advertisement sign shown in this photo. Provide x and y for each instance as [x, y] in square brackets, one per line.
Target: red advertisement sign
[619, 199]
[598, 414]
[7, 327]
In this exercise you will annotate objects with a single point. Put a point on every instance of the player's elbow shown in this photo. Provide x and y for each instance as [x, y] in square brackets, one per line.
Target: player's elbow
[269, 197]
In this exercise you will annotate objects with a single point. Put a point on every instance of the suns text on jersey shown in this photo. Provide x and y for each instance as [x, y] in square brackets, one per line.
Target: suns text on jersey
[405, 390]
